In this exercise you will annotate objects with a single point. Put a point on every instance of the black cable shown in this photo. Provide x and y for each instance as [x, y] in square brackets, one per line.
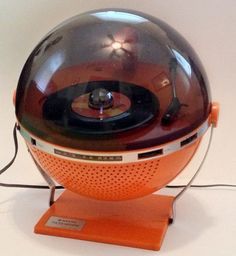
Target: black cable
[61, 187]
[16, 151]
[8, 185]
[10, 164]
[203, 185]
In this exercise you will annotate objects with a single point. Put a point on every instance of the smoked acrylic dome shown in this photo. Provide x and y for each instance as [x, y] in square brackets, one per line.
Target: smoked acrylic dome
[112, 80]
[113, 104]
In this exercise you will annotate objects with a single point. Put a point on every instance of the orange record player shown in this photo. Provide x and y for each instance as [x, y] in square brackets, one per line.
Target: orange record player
[113, 105]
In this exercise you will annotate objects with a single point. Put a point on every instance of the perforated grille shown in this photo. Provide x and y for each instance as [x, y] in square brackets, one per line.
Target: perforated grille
[115, 181]
[101, 181]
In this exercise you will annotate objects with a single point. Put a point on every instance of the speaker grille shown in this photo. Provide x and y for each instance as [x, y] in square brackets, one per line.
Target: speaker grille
[102, 181]
[114, 181]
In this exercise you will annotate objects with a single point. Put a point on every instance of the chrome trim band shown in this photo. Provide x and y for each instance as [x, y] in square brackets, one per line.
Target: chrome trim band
[114, 157]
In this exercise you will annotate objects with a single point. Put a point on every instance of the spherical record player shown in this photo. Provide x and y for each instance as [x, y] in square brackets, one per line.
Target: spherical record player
[112, 105]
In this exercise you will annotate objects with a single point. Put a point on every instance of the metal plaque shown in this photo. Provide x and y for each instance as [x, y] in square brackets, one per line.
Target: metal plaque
[65, 223]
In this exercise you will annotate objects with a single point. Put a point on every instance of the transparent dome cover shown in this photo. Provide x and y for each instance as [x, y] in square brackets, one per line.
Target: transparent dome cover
[112, 80]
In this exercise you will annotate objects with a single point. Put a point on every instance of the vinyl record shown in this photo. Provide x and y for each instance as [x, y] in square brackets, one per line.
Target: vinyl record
[69, 108]
[121, 103]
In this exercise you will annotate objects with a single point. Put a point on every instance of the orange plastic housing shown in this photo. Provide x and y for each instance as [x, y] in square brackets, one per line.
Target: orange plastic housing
[215, 109]
[140, 223]
[115, 181]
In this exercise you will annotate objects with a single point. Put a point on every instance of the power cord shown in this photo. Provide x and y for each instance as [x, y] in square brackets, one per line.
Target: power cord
[12, 185]
[10, 164]
[203, 185]
[16, 150]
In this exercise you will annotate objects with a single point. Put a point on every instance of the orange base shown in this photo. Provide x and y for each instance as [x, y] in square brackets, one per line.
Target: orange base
[138, 223]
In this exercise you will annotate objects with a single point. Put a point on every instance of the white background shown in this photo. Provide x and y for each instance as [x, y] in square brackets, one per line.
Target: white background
[206, 219]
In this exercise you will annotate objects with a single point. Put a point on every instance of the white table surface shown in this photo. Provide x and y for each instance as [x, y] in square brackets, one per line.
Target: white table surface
[206, 218]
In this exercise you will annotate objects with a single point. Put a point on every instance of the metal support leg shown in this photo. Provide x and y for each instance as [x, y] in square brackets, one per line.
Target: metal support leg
[193, 178]
[47, 178]
[51, 184]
